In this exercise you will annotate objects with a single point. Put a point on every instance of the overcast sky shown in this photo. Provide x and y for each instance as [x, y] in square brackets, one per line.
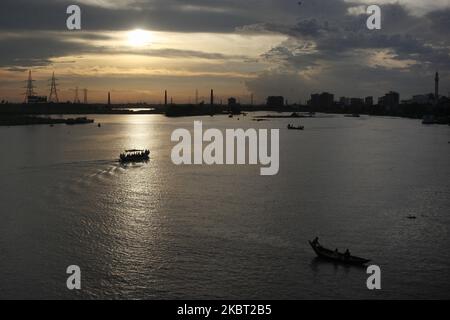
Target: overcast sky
[237, 47]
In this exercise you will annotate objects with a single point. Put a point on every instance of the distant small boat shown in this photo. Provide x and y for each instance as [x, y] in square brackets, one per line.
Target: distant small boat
[134, 155]
[336, 255]
[81, 120]
[428, 120]
[431, 119]
[291, 127]
[354, 115]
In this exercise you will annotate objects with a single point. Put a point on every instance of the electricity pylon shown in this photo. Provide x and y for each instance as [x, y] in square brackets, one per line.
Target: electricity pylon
[76, 99]
[53, 97]
[30, 87]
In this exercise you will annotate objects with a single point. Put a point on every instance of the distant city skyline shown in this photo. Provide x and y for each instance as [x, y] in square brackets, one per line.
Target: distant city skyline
[136, 49]
[323, 98]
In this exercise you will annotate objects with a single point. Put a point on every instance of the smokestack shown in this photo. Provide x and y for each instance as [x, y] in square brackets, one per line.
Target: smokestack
[85, 100]
[436, 86]
[165, 97]
[212, 97]
[109, 98]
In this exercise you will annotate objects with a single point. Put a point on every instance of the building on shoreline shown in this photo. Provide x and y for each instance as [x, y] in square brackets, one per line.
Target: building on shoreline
[390, 100]
[323, 100]
[275, 101]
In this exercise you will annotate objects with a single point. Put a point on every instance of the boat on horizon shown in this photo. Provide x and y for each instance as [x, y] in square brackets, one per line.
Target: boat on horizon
[431, 119]
[291, 127]
[80, 120]
[134, 155]
[353, 115]
[335, 255]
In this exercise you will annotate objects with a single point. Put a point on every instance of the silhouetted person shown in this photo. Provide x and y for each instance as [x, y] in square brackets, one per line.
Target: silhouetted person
[347, 254]
[316, 241]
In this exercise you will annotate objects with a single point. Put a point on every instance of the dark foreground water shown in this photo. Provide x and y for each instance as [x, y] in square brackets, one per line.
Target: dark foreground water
[158, 231]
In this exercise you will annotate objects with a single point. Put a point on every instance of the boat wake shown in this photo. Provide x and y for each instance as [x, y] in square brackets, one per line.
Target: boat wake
[74, 164]
[104, 173]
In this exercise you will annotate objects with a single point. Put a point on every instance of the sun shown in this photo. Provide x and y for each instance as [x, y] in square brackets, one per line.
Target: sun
[139, 38]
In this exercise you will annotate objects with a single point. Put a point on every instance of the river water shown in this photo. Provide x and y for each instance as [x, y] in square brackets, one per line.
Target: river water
[160, 231]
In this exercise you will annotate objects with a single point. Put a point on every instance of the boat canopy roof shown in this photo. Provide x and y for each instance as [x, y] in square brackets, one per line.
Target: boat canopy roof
[135, 150]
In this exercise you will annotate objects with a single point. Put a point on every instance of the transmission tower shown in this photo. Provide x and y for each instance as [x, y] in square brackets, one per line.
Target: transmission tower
[30, 87]
[53, 97]
[76, 99]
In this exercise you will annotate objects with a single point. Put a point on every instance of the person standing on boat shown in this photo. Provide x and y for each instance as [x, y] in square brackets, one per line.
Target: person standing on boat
[316, 241]
[347, 254]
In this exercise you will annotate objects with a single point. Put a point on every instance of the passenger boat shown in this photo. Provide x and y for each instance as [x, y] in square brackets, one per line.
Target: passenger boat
[134, 155]
[336, 255]
[291, 127]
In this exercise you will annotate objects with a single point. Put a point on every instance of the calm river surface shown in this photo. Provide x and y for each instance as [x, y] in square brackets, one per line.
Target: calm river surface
[158, 231]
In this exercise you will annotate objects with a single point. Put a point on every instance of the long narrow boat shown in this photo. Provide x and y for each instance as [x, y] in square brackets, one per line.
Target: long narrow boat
[335, 255]
[291, 127]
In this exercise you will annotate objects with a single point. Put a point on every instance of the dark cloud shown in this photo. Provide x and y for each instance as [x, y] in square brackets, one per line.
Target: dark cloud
[440, 21]
[30, 51]
[16, 53]
[311, 28]
[167, 15]
[171, 53]
[342, 45]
